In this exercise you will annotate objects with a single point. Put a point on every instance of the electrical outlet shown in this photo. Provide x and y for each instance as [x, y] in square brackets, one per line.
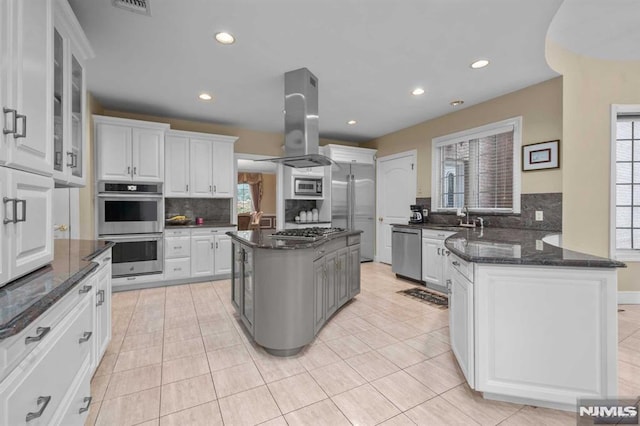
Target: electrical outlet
[539, 215]
[539, 245]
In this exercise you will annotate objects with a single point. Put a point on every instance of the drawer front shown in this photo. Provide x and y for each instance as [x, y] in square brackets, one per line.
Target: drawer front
[103, 259]
[184, 232]
[78, 409]
[177, 268]
[15, 348]
[38, 385]
[353, 240]
[211, 231]
[177, 247]
[465, 268]
[436, 234]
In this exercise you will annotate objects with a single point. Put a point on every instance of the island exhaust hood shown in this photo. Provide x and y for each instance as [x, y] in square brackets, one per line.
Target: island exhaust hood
[301, 134]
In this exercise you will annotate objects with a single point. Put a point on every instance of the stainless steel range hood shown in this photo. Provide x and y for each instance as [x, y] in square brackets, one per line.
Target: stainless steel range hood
[301, 134]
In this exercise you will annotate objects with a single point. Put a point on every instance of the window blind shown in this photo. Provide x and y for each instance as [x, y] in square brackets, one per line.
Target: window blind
[628, 182]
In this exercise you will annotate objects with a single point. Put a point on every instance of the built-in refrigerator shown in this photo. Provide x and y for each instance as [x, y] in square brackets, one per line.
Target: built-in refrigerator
[353, 202]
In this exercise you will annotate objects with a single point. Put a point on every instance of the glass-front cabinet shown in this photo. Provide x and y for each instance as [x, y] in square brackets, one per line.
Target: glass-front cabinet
[242, 283]
[71, 50]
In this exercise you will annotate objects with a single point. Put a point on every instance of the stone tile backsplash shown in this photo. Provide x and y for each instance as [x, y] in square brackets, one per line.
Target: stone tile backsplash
[549, 203]
[293, 207]
[210, 209]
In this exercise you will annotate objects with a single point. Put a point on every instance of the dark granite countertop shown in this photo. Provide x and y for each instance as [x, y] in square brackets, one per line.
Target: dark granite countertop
[263, 239]
[519, 247]
[25, 299]
[308, 223]
[452, 228]
[206, 224]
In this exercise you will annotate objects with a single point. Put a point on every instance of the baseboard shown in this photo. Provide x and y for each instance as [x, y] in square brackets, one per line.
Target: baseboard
[629, 297]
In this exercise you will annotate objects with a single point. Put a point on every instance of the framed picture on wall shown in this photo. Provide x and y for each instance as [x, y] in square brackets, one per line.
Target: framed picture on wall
[539, 156]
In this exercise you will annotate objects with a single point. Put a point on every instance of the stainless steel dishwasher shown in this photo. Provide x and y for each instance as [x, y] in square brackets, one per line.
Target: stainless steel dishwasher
[406, 252]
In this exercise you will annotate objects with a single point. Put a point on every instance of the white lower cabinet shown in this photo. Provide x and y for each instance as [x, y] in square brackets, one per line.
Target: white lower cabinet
[434, 257]
[47, 378]
[202, 262]
[461, 323]
[222, 254]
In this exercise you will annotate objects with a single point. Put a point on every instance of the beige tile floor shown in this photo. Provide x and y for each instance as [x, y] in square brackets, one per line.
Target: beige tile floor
[179, 356]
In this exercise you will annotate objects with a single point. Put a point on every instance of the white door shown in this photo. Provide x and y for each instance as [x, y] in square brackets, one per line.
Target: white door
[396, 191]
[114, 152]
[432, 261]
[222, 254]
[148, 155]
[34, 231]
[176, 171]
[200, 172]
[202, 256]
[461, 324]
[223, 170]
[32, 97]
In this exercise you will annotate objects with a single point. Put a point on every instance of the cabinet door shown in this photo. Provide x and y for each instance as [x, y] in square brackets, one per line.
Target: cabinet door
[200, 175]
[342, 276]
[319, 280]
[432, 260]
[77, 123]
[246, 312]
[222, 259]
[236, 275]
[114, 152]
[103, 312]
[202, 256]
[331, 284]
[461, 324]
[32, 96]
[176, 179]
[59, 103]
[6, 229]
[223, 170]
[354, 270]
[148, 155]
[33, 233]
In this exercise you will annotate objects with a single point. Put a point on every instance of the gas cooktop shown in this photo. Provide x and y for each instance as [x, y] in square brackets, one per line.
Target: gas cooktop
[305, 234]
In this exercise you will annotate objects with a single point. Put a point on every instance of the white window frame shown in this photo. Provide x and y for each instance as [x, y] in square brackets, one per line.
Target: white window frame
[514, 123]
[629, 255]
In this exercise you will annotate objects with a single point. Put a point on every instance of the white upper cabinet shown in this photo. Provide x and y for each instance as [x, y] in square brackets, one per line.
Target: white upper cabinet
[26, 34]
[70, 50]
[199, 165]
[129, 150]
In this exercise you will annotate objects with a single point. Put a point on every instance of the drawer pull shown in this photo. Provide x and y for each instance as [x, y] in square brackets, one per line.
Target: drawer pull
[86, 399]
[44, 400]
[85, 337]
[23, 133]
[107, 259]
[177, 247]
[455, 263]
[438, 251]
[13, 112]
[42, 331]
[100, 298]
[85, 289]
[177, 269]
[442, 235]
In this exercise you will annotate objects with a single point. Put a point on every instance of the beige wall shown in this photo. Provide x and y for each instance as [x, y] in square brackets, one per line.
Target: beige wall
[539, 105]
[268, 201]
[590, 87]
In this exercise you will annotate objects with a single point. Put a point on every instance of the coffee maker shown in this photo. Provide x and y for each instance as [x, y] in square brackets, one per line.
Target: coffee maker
[416, 214]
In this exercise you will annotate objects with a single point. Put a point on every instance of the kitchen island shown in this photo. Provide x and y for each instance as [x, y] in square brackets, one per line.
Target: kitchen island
[286, 289]
[531, 322]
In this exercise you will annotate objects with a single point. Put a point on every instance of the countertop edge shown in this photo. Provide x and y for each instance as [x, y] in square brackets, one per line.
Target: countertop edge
[107, 245]
[301, 244]
[204, 225]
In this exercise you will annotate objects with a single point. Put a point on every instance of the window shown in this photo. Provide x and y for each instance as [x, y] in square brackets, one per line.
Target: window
[478, 168]
[627, 185]
[245, 204]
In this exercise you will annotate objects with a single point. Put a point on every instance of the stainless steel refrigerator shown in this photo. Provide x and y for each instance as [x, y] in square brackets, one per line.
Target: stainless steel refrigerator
[353, 202]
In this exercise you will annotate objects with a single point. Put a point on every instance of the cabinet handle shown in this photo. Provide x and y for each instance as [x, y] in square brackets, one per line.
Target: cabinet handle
[448, 252]
[187, 188]
[6, 201]
[41, 332]
[441, 235]
[177, 247]
[438, 251]
[44, 400]
[210, 189]
[24, 210]
[85, 337]
[6, 111]
[107, 259]
[100, 298]
[177, 269]
[23, 133]
[86, 399]
[135, 170]
[215, 188]
[212, 244]
[455, 263]
[85, 289]
[448, 284]
[70, 154]
[74, 160]
[131, 278]
[216, 244]
[128, 170]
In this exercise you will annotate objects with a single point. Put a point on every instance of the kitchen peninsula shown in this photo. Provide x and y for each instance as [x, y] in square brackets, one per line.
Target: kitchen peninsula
[286, 285]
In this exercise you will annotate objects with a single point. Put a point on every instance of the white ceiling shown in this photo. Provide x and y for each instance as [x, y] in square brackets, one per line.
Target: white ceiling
[367, 54]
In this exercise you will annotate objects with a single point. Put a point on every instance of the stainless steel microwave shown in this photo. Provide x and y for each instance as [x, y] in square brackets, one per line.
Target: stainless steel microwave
[307, 186]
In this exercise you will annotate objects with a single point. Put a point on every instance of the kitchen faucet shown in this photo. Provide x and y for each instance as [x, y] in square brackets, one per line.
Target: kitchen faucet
[466, 224]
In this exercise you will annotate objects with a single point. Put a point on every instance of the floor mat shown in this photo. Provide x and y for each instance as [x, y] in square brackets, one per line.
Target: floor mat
[427, 296]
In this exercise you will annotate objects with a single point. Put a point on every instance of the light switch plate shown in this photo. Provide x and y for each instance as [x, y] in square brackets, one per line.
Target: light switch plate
[539, 215]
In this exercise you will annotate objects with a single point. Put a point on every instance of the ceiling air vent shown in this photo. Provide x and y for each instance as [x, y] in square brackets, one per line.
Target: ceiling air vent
[138, 6]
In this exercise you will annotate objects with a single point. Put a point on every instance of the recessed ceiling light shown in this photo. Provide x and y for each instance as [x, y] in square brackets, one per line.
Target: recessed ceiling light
[205, 96]
[481, 63]
[225, 38]
[417, 91]
[456, 103]
[351, 122]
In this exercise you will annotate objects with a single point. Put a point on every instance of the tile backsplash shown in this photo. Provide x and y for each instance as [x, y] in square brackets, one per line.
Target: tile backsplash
[550, 203]
[210, 209]
[293, 207]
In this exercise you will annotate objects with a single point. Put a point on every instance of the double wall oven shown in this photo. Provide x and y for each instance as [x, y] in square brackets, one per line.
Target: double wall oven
[132, 216]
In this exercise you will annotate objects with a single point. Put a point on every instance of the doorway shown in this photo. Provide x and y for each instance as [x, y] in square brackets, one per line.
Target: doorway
[257, 203]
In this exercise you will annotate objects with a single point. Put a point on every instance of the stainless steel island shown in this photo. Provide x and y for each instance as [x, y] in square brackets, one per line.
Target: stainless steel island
[286, 289]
